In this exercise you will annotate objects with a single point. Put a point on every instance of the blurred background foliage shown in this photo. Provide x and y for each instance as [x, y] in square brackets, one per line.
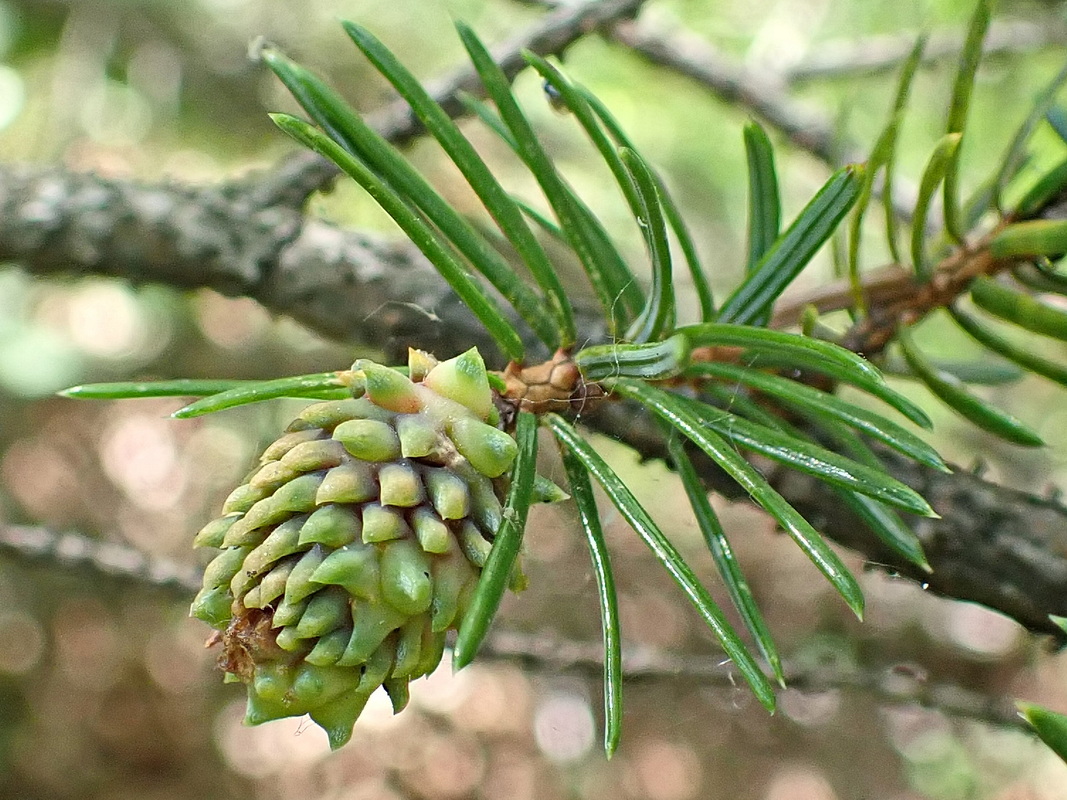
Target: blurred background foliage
[106, 690]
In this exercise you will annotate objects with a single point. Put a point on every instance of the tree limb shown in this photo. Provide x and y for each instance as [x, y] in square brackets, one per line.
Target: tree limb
[345, 285]
[762, 93]
[873, 55]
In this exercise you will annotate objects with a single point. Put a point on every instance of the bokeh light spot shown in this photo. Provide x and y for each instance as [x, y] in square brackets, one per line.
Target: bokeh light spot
[12, 95]
[39, 477]
[88, 645]
[800, 783]
[105, 321]
[668, 771]
[176, 659]
[113, 113]
[442, 692]
[23, 641]
[809, 708]
[378, 714]
[452, 766]
[563, 727]
[37, 362]
[981, 631]
[140, 455]
[269, 749]
[500, 703]
[231, 323]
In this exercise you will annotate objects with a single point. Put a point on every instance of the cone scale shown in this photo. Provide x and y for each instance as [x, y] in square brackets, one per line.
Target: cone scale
[355, 545]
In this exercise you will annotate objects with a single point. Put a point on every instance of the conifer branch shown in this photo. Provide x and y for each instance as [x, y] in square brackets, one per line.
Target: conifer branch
[356, 287]
[250, 239]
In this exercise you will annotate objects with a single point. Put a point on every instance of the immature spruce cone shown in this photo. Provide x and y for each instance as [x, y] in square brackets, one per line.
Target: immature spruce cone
[357, 543]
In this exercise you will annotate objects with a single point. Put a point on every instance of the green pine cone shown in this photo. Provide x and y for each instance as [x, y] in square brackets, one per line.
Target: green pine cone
[357, 543]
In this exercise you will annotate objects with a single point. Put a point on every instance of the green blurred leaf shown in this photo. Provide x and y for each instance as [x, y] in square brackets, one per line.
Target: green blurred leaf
[657, 317]
[957, 113]
[723, 555]
[794, 249]
[421, 234]
[1002, 347]
[1057, 120]
[677, 413]
[1015, 155]
[955, 394]
[496, 201]
[496, 575]
[543, 222]
[1043, 192]
[805, 350]
[705, 298]
[978, 203]
[979, 372]
[900, 102]
[880, 155]
[488, 117]
[933, 175]
[1050, 726]
[1039, 237]
[652, 361]
[1040, 276]
[637, 517]
[589, 517]
[126, 390]
[320, 385]
[807, 398]
[1019, 308]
